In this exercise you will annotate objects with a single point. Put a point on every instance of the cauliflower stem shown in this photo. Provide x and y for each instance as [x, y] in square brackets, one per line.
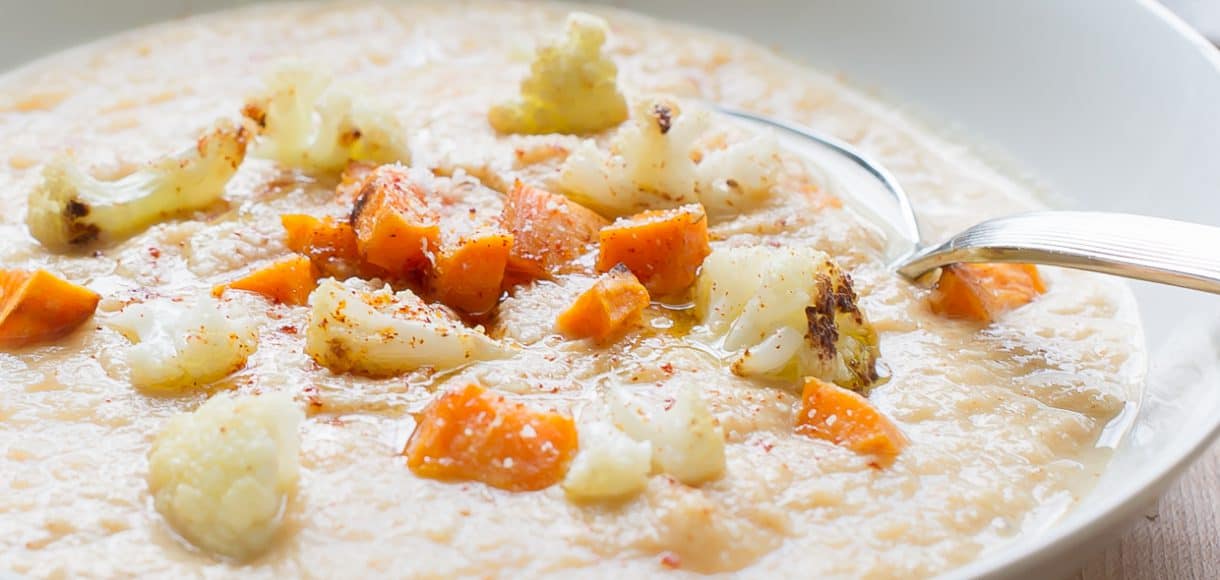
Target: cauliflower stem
[70, 208]
[380, 333]
[308, 122]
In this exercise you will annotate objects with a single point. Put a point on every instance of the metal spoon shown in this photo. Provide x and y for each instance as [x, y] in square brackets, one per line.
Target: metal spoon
[1141, 247]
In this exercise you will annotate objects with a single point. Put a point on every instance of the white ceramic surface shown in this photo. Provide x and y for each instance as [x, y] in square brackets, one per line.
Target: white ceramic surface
[1112, 104]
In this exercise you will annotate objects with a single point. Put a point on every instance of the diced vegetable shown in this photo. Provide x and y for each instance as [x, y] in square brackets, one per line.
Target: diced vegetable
[288, 281]
[549, 230]
[306, 121]
[221, 476]
[395, 227]
[846, 418]
[180, 345]
[571, 87]
[39, 306]
[383, 333]
[329, 244]
[616, 299]
[787, 312]
[473, 434]
[70, 208]
[982, 292]
[609, 465]
[469, 272]
[686, 440]
[663, 248]
[662, 159]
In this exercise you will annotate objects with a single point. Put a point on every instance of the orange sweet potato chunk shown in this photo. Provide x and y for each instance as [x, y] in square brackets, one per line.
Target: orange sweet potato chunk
[472, 434]
[288, 281]
[549, 230]
[616, 298]
[663, 248]
[395, 227]
[846, 418]
[469, 272]
[39, 307]
[329, 244]
[982, 292]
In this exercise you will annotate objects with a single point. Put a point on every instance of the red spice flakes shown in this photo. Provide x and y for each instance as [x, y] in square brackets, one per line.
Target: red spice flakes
[154, 252]
[668, 368]
[669, 403]
[288, 329]
[671, 560]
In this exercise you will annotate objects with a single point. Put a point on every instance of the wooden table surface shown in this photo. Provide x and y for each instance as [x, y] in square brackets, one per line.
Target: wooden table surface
[1179, 539]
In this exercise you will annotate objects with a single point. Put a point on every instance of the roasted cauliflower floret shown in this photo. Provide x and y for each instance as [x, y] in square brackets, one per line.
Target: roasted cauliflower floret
[307, 122]
[610, 464]
[571, 87]
[787, 311]
[648, 164]
[180, 345]
[223, 475]
[70, 208]
[656, 162]
[379, 332]
[739, 176]
[686, 440]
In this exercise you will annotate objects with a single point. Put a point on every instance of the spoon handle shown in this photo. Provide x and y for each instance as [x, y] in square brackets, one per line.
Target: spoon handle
[1146, 248]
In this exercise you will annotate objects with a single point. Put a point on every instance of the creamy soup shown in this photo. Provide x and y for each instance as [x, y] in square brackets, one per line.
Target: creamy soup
[1002, 422]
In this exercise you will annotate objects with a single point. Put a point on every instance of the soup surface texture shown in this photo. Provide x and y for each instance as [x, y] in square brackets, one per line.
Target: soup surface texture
[1003, 420]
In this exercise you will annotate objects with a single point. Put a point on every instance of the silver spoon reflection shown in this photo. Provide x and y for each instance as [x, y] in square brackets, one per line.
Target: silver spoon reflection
[1140, 247]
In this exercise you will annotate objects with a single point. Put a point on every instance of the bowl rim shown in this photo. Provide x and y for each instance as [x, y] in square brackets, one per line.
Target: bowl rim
[1068, 538]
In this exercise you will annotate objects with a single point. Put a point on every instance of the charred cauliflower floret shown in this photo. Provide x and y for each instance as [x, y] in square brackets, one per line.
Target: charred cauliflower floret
[180, 345]
[307, 122]
[571, 87]
[610, 464]
[379, 332]
[787, 311]
[70, 208]
[223, 475]
[686, 440]
[655, 162]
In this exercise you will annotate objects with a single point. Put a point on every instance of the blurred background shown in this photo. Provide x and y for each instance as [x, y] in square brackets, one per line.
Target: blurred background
[1204, 15]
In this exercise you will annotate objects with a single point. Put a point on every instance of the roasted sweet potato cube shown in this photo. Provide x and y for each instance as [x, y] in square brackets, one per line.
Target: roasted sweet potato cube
[846, 418]
[982, 292]
[549, 231]
[602, 311]
[663, 248]
[40, 307]
[469, 271]
[396, 229]
[287, 281]
[329, 244]
[472, 434]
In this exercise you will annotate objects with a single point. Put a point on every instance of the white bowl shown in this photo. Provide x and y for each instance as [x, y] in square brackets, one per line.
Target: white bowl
[1113, 104]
